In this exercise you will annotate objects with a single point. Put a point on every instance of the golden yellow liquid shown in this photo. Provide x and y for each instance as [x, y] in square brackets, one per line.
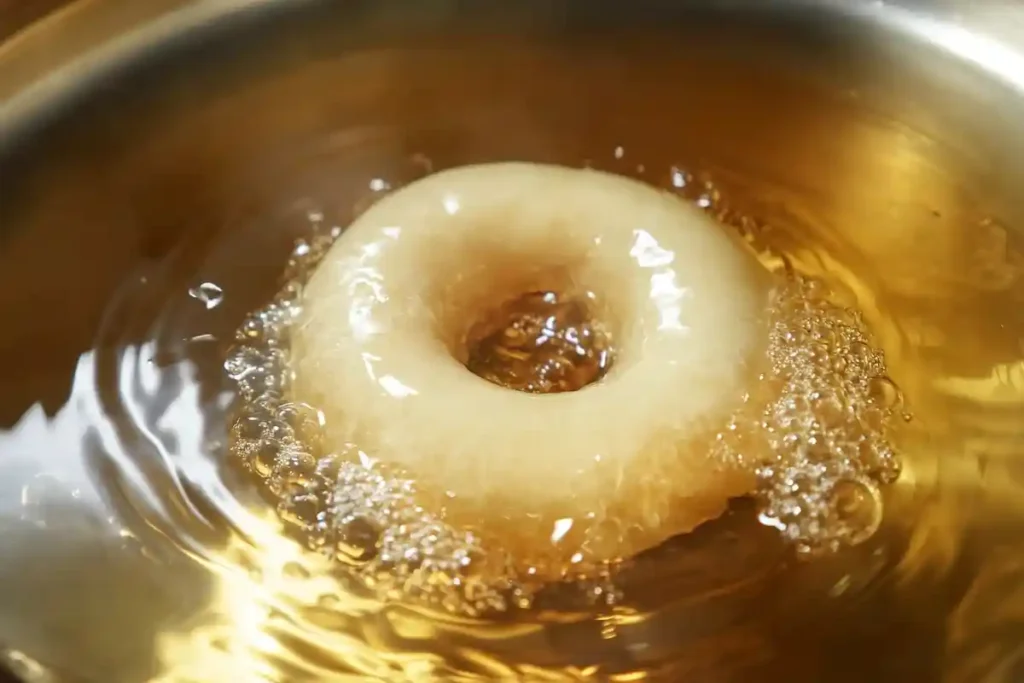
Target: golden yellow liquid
[214, 585]
[541, 343]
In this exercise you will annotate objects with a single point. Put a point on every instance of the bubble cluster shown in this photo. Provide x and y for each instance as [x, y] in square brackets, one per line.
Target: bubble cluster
[817, 429]
[821, 427]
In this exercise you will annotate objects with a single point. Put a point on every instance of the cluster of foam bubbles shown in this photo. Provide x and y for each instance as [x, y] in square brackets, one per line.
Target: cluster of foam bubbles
[817, 428]
[821, 428]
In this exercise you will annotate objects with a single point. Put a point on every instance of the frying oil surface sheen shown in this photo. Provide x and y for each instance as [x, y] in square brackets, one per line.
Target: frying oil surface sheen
[334, 566]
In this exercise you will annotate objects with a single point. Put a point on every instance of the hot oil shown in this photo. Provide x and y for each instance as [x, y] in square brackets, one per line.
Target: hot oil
[542, 343]
[921, 584]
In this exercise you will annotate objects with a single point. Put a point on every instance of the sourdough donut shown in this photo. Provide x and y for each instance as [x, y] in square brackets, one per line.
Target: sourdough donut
[381, 350]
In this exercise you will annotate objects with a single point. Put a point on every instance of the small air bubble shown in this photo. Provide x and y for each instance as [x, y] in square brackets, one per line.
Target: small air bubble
[208, 294]
[301, 510]
[277, 430]
[304, 421]
[245, 362]
[860, 351]
[297, 462]
[857, 505]
[771, 521]
[884, 393]
[265, 461]
[357, 540]
[250, 330]
[678, 178]
[248, 427]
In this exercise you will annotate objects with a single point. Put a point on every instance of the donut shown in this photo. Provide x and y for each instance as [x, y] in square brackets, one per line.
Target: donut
[606, 471]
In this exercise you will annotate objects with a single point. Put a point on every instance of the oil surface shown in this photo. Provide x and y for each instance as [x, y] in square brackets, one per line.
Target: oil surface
[141, 441]
[541, 343]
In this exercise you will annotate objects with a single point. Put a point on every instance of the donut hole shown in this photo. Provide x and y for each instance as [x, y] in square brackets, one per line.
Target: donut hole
[541, 342]
[533, 314]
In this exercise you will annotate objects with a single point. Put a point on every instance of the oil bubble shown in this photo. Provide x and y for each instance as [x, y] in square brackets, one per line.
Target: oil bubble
[884, 392]
[857, 506]
[357, 540]
[208, 294]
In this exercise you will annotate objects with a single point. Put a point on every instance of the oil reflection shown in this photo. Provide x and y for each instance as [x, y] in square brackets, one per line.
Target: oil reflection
[84, 588]
[261, 582]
